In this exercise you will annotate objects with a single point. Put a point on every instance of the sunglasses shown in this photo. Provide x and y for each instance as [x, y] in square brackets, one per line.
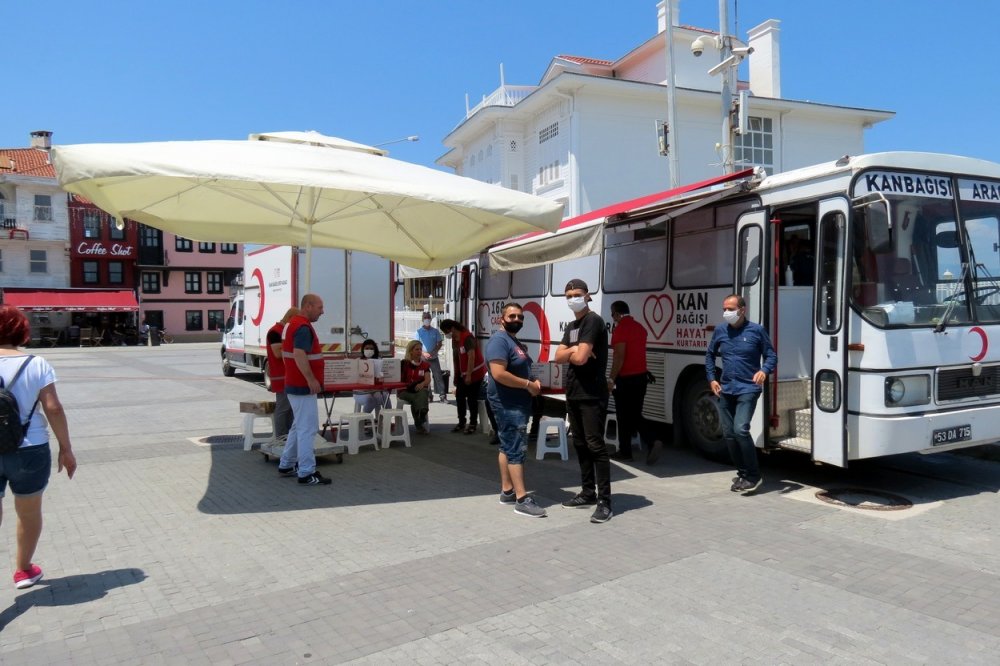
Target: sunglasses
[519, 317]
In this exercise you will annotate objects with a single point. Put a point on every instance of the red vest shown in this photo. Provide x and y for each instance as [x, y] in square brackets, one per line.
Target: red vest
[458, 344]
[293, 376]
[275, 363]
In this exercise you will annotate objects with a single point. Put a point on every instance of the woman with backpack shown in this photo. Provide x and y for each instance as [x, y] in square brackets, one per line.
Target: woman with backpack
[26, 383]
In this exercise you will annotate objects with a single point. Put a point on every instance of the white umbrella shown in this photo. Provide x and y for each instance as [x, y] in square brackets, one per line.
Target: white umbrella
[310, 192]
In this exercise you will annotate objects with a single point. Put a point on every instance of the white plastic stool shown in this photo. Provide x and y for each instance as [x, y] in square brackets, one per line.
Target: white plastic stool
[542, 445]
[352, 431]
[485, 426]
[611, 430]
[249, 437]
[388, 420]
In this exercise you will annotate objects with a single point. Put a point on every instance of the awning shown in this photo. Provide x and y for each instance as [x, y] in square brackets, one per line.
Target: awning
[583, 235]
[71, 300]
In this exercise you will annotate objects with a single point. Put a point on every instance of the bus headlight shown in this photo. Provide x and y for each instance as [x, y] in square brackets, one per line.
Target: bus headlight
[907, 390]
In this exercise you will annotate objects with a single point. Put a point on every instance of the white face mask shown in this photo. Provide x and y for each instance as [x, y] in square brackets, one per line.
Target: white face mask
[369, 352]
[576, 303]
[731, 316]
[427, 323]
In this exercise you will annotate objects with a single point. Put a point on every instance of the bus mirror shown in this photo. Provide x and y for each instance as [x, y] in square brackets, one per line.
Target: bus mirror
[877, 227]
[946, 239]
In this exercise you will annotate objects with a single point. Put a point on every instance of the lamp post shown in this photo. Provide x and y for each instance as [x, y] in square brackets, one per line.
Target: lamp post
[413, 137]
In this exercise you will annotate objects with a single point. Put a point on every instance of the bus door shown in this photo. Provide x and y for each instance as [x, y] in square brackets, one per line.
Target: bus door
[750, 267]
[467, 295]
[829, 373]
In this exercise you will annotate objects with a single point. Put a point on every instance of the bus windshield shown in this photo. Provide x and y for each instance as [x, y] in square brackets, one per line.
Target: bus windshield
[928, 268]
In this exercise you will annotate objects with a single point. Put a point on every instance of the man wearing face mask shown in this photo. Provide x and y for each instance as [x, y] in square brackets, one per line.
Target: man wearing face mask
[741, 345]
[510, 391]
[430, 338]
[585, 348]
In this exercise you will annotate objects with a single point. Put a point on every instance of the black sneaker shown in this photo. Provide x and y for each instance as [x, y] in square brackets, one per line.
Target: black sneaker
[751, 487]
[315, 479]
[602, 513]
[737, 484]
[288, 471]
[508, 498]
[579, 501]
[527, 507]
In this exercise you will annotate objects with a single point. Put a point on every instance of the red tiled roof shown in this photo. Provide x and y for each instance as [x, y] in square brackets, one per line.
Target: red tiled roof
[26, 162]
[586, 61]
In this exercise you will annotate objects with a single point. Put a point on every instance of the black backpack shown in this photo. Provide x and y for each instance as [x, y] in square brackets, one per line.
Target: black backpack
[12, 430]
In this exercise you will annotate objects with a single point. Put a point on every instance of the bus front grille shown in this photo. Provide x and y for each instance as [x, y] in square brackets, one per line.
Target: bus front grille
[960, 383]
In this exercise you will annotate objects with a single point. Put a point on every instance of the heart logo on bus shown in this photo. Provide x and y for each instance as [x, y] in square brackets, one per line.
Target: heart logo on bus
[658, 311]
[484, 319]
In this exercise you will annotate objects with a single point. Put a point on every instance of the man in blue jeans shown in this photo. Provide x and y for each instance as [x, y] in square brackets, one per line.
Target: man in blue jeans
[741, 344]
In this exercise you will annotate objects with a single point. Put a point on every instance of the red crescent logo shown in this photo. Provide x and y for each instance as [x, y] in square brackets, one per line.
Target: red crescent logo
[543, 329]
[257, 275]
[985, 340]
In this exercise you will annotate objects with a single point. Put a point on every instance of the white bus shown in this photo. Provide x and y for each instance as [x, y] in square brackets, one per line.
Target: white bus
[877, 276]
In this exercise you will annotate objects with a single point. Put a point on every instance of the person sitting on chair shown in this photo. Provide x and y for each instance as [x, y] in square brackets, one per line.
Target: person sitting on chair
[370, 401]
[417, 376]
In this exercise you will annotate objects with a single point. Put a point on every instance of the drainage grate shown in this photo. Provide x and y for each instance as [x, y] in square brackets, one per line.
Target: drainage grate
[220, 441]
[862, 498]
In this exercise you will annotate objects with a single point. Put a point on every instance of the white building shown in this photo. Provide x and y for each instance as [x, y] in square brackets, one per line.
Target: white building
[34, 219]
[586, 134]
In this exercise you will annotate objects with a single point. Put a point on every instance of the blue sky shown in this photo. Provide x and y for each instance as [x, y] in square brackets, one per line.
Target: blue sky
[374, 71]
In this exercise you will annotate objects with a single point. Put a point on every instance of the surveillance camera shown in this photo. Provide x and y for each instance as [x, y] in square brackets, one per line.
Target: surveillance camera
[699, 45]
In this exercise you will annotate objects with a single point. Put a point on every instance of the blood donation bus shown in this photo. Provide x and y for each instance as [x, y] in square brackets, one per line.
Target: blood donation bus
[877, 276]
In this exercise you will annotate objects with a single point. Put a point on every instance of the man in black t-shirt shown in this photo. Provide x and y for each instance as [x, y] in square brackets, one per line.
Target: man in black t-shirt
[585, 347]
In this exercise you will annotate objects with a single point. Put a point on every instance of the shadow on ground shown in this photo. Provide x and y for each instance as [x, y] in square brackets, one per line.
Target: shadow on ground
[70, 590]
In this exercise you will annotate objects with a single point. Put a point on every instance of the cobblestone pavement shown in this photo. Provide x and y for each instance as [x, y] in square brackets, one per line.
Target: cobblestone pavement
[169, 549]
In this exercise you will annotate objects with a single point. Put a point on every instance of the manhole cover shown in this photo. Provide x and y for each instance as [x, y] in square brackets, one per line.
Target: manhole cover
[862, 498]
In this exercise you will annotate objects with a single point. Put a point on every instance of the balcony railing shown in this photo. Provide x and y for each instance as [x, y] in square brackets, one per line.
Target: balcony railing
[503, 96]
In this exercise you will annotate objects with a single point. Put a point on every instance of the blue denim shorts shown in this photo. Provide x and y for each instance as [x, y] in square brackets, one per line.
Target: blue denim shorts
[27, 470]
[512, 430]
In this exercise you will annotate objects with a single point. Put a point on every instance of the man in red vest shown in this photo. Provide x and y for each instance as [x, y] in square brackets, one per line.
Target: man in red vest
[303, 380]
[276, 373]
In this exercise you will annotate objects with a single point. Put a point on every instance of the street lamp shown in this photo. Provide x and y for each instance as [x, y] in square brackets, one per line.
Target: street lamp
[405, 138]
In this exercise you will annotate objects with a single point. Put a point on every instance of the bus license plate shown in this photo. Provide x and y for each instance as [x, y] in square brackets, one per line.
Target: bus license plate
[960, 433]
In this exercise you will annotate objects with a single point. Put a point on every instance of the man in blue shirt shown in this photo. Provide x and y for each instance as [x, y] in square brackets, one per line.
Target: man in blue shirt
[741, 344]
[431, 340]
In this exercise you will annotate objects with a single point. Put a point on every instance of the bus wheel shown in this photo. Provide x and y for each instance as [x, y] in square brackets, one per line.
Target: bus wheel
[267, 375]
[227, 369]
[701, 420]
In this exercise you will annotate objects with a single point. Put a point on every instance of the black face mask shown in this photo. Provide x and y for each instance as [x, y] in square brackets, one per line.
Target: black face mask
[512, 326]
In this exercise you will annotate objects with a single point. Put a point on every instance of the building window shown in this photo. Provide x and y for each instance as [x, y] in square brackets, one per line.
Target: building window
[116, 272]
[43, 207]
[90, 272]
[513, 181]
[214, 282]
[192, 282]
[91, 224]
[549, 132]
[192, 320]
[227, 248]
[755, 147]
[206, 247]
[150, 282]
[182, 244]
[39, 261]
[1, 261]
[114, 231]
[216, 318]
[548, 173]
[149, 237]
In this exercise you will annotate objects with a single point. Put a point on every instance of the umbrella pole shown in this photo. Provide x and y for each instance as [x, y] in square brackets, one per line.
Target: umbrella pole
[309, 242]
